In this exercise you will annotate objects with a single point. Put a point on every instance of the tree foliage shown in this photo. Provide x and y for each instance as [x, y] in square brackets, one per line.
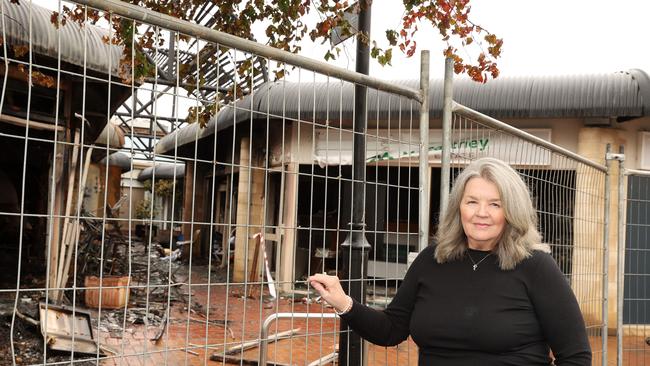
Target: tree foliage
[285, 27]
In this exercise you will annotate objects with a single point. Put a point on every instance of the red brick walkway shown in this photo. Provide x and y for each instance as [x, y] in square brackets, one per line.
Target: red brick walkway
[190, 340]
[317, 337]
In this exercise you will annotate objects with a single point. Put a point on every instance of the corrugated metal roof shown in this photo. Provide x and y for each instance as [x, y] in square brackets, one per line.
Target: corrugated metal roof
[44, 37]
[620, 95]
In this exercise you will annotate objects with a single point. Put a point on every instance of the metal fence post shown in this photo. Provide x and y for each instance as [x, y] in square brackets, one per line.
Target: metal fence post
[621, 253]
[606, 204]
[356, 245]
[445, 173]
[424, 151]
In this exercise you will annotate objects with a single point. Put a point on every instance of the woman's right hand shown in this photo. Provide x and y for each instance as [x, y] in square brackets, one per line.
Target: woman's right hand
[329, 288]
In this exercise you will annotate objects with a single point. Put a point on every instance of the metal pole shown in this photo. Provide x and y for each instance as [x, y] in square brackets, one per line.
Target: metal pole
[608, 187]
[424, 150]
[355, 247]
[488, 121]
[447, 101]
[621, 257]
[118, 7]
[264, 333]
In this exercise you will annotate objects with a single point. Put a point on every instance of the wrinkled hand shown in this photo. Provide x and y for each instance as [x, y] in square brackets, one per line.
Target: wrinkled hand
[329, 287]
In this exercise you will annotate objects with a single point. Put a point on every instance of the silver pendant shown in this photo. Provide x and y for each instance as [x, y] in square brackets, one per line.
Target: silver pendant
[474, 267]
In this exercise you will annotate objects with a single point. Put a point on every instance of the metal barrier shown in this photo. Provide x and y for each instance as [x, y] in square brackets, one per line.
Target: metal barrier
[152, 243]
[632, 320]
[164, 244]
[571, 194]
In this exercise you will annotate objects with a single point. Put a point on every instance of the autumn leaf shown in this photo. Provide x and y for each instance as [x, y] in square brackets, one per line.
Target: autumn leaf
[41, 79]
[411, 50]
[329, 56]
[491, 38]
[451, 19]
[386, 58]
[54, 19]
[374, 51]
[279, 74]
[391, 36]
[20, 50]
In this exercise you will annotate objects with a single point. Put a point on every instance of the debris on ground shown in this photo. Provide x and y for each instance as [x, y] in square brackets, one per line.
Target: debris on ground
[156, 277]
[28, 343]
[67, 329]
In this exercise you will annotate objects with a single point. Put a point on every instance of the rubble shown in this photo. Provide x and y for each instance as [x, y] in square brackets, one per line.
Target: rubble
[28, 344]
[153, 276]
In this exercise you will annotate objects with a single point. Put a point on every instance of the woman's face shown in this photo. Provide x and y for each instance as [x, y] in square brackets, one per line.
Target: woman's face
[481, 214]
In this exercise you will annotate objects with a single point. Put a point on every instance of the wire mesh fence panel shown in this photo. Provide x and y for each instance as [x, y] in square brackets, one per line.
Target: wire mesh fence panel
[166, 195]
[634, 224]
[568, 195]
[163, 198]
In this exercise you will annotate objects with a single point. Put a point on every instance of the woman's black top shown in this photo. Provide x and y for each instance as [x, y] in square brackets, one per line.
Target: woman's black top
[458, 316]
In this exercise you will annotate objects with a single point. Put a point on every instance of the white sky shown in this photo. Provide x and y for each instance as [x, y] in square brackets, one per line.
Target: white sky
[541, 37]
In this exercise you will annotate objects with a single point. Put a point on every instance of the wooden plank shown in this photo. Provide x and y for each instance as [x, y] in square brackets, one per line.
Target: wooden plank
[241, 236]
[75, 227]
[187, 204]
[227, 219]
[54, 228]
[286, 273]
[252, 277]
[67, 227]
[17, 121]
[272, 237]
[249, 213]
[199, 209]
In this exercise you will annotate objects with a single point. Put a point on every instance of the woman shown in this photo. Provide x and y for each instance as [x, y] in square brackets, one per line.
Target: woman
[488, 293]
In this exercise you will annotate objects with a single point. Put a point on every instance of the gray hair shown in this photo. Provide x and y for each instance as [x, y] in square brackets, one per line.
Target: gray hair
[520, 236]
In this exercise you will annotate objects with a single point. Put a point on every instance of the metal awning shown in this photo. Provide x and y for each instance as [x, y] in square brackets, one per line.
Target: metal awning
[69, 41]
[621, 96]
[163, 171]
[118, 159]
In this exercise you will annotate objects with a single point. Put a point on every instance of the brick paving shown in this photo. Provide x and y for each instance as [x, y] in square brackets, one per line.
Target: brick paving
[190, 340]
[317, 337]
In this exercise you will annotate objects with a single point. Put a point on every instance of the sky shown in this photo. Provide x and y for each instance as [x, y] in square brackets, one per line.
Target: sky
[548, 37]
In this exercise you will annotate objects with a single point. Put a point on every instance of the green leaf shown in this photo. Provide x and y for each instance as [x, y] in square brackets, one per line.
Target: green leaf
[391, 36]
[374, 52]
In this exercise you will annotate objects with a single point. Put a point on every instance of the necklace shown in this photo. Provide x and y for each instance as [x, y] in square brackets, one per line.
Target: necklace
[475, 264]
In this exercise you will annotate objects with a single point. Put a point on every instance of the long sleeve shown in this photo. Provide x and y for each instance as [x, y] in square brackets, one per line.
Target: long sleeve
[390, 326]
[559, 314]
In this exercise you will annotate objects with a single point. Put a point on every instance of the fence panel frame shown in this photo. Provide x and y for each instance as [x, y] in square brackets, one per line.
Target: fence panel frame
[420, 96]
[498, 126]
